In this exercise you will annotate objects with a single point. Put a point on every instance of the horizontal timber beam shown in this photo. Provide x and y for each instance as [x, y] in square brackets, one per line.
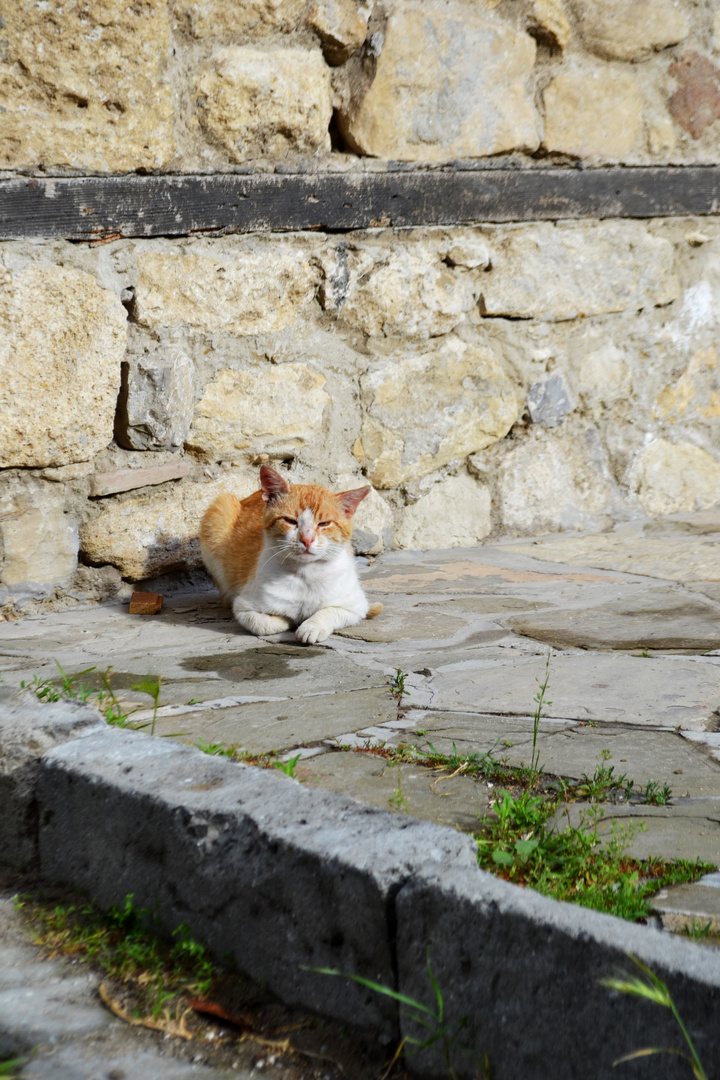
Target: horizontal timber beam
[103, 207]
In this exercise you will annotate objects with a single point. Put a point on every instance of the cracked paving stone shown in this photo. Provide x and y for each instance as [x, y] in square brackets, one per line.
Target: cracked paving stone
[659, 691]
[682, 907]
[684, 829]
[573, 749]
[412, 789]
[282, 724]
[396, 625]
[654, 618]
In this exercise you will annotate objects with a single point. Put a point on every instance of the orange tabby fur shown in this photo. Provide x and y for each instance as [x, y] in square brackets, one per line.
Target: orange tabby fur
[234, 533]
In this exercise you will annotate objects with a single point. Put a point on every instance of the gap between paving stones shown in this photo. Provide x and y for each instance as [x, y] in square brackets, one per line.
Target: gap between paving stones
[286, 879]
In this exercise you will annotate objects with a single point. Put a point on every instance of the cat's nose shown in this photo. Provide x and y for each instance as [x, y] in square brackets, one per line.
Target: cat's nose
[306, 540]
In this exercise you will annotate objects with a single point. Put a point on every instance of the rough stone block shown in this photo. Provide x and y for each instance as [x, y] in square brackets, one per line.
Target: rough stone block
[548, 401]
[223, 18]
[630, 29]
[277, 408]
[150, 533]
[455, 512]
[695, 105]
[28, 728]
[524, 970]
[257, 103]
[672, 477]
[341, 26]
[565, 272]
[373, 519]
[593, 114]
[696, 394]
[549, 23]
[62, 339]
[283, 877]
[467, 403]
[155, 406]
[552, 483]
[451, 82]
[249, 291]
[38, 541]
[84, 85]
[402, 291]
[110, 483]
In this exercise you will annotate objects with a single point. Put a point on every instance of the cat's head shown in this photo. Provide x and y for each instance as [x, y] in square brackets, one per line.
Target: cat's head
[306, 521]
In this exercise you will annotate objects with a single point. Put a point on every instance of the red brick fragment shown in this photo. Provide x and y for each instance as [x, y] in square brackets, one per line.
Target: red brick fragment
[145, 603]
[695, 105]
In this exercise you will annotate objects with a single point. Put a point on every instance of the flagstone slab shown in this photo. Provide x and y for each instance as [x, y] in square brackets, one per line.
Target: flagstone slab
[414, 790]
[689, 906]
[281, 723]
[688, 558]
[396, 625]
[572, 748]
[664, 691]
[658, 618]
[684, 829]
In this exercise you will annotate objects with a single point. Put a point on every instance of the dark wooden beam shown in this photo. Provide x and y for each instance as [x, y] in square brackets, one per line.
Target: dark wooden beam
[97, 207]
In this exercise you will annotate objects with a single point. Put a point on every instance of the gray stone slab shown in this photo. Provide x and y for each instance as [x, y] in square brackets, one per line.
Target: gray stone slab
[684, 829]
[667, 691]
[686, 558]
[408, 789]
[451, 572]
[27, 730]
[490, 604]
[283, 877]
[37, 1013]
[282, 724]
[81, 1061]
[524, 970]
[394, 625]
[658, 618]
[681, 907]
[573, 749]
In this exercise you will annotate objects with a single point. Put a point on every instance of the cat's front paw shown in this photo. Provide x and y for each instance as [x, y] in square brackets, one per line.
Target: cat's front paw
[312, 631]
[262, 625]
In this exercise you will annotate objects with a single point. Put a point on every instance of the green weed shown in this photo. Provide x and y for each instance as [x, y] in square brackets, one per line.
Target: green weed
[656, 795]
[397, 685]
[649, 987]
[540, 702]
[11, 1066]
[433, 1020]
[603, 783]
[397, 799]
[216, 749]
[697, 930]
[122, 943]
[70, 688]
[287, 767]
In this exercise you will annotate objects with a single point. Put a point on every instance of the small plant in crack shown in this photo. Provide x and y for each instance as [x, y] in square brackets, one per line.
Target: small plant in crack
[397, 685]
[656, 795]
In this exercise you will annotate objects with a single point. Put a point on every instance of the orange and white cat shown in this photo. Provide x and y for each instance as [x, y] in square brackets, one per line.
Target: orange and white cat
[282, 557]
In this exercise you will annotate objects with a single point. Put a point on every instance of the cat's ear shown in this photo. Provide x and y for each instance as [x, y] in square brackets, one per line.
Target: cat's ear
[273, 485]
[350, 500]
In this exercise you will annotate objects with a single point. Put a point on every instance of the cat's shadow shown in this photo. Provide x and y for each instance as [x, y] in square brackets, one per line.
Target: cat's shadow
[208, 611]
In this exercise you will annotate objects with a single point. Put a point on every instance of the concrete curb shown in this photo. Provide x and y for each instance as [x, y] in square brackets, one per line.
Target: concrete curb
[284, 878]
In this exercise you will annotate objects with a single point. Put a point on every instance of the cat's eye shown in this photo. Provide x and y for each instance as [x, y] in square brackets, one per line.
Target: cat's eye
[324, 524]
[290, 521]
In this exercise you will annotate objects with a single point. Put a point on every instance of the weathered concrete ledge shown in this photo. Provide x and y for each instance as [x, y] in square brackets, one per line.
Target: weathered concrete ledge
[285, 878]
[97, 207]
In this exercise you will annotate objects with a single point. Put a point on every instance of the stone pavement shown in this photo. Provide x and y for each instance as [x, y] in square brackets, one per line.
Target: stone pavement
[631, 617]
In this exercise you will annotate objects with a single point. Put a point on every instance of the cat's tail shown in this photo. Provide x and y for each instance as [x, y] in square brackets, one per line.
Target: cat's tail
[374, 610]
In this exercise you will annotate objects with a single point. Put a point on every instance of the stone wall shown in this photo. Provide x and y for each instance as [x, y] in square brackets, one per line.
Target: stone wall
[506, 379]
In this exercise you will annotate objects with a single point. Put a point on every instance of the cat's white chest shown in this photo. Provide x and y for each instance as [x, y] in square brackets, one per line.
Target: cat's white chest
[299, 591]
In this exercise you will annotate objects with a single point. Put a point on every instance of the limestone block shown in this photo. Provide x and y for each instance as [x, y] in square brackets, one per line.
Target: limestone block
[156, 402]
[672, 477]
[548, 272]
[84, 85]
[593, 114]
[549, 23]
[277, 408]
[256, 103]
[425, 410]
[148, 534]
[341, 26]
[548, 401]
[38, 542]
[250, 292]
[603, 376]
[62, 339]
[695, 105]
[405, 291]
[454, 513]
[223, 18]
[696, 394]
[451, 82]
[110, 483]
[555, 483]
[630, 29]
